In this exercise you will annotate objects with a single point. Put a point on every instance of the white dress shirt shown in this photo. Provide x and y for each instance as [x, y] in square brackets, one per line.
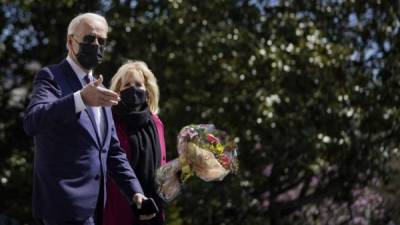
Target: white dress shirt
[79, 104]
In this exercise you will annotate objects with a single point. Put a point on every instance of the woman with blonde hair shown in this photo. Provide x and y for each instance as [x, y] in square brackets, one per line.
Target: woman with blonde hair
[141, 135]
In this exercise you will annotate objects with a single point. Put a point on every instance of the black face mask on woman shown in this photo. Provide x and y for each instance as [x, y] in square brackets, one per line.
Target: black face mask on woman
[133, 97]
[89, 56]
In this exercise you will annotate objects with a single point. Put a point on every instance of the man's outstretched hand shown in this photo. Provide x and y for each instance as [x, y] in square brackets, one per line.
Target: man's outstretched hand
[94, 94]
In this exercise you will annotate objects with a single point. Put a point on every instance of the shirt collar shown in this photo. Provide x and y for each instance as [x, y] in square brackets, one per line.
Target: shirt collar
[77, 69]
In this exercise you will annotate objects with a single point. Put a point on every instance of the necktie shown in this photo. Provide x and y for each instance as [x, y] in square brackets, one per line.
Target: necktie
[86, 79]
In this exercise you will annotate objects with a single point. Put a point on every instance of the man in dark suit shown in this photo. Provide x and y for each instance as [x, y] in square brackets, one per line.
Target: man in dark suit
[75, 139]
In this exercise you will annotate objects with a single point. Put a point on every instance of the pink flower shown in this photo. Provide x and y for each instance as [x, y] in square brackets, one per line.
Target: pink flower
[224, 160]
[212, 139]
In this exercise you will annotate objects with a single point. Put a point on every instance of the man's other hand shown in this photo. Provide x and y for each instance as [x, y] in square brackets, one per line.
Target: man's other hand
[138, 199]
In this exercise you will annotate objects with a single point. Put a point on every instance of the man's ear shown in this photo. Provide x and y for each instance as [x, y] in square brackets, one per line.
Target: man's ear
[68, 42]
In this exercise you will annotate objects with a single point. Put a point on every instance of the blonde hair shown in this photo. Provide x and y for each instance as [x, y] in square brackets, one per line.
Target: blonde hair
[150, 81]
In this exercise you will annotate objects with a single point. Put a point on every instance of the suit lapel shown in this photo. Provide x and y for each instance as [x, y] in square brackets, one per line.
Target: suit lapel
[107, 122]
[76, 85]
[95, 132]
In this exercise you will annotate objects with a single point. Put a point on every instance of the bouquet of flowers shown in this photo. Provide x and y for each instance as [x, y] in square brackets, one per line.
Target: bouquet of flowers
[205, 152]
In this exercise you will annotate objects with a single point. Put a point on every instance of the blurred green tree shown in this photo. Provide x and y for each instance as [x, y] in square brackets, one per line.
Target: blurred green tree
[309, 89]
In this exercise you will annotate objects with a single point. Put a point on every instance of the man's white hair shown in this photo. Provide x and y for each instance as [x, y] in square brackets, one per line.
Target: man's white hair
[82, 17]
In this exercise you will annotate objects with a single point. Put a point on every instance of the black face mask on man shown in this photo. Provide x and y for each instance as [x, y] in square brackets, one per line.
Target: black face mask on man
[133, 97]
[89, 56]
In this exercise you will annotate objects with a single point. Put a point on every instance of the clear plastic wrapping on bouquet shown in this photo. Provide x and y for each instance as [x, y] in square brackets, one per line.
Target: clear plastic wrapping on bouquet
[205, 152]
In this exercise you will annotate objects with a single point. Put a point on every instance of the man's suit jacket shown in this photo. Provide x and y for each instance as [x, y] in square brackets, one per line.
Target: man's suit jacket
[70, 158]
